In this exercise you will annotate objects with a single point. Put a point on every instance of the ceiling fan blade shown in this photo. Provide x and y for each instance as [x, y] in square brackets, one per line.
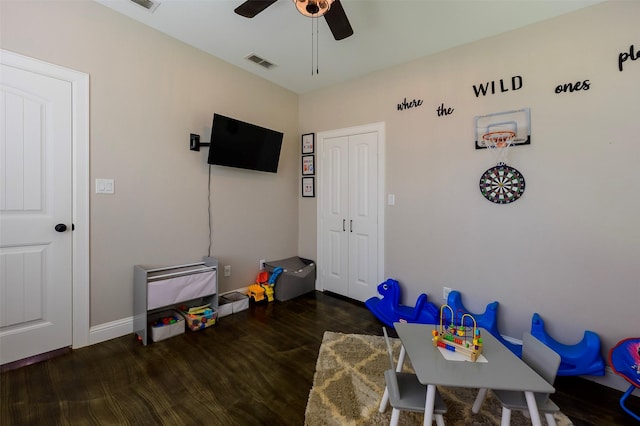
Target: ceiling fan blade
[251, 8]
[338, 21]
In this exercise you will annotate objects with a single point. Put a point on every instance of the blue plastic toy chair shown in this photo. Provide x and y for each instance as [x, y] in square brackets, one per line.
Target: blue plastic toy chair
[625, 362]
[582, 358]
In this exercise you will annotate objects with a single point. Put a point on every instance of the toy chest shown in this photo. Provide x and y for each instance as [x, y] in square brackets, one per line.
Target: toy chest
[199, 319]
[298, 277]
[162, 328]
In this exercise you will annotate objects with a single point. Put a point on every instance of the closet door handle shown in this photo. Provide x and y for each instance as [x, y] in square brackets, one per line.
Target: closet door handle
[343, 225]
[351, 225]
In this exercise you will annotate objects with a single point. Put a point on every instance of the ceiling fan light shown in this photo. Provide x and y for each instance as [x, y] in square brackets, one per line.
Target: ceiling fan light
[313, 8]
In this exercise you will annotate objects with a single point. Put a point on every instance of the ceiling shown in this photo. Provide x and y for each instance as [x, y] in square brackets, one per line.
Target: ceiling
[386, 32]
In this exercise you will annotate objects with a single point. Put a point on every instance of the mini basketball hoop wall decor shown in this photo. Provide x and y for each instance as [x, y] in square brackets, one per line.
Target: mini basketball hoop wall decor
[517, 121]
[502, 184]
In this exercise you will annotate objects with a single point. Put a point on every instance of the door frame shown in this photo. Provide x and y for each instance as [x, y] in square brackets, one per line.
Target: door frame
[80, 184]
[378, 128]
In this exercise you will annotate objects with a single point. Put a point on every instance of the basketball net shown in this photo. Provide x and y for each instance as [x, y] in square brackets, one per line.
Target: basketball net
[498, 143]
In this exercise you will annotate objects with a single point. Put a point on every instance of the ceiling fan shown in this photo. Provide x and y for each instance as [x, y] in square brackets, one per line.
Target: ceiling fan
[332, 11]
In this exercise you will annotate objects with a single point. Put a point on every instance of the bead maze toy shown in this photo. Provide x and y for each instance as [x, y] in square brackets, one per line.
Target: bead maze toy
[582, 358]
[389, 310]
[456, 338]
[487, 320]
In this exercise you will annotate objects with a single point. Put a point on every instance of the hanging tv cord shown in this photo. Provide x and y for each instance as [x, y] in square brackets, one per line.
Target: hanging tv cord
[209, 209]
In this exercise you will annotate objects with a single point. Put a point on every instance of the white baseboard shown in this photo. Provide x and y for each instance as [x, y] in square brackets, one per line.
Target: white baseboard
[110, 330]
[610, 379]
[242, 290]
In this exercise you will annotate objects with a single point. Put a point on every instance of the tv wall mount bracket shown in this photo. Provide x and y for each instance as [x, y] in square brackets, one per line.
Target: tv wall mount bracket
[194, 142]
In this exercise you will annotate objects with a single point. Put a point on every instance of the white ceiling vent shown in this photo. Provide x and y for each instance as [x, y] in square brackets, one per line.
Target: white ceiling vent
[150, 5]
[260, 61]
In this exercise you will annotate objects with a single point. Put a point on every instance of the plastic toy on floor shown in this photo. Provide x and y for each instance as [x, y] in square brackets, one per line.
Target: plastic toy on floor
[388, 308]
[260, 290]
[624, 358]
[487, 320]
[263, 287]
[274, 275]
[582, 358]
[256, 292]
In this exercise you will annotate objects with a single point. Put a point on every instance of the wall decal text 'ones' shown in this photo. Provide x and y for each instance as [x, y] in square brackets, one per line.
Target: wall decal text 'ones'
[573, 87]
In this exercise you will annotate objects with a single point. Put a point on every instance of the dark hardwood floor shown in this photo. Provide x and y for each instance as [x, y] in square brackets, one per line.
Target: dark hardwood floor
[252, 368]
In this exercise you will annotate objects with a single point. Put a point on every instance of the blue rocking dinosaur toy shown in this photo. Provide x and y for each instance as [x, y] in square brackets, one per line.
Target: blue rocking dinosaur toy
[582, 358]
[389, 310]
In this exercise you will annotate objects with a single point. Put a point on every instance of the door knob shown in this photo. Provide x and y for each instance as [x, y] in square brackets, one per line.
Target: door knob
[61, 227]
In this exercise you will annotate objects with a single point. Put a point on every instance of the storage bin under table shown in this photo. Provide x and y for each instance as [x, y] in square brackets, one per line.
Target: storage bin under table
[232, 303]
[225, 307]
[161, 331]
[199, 321]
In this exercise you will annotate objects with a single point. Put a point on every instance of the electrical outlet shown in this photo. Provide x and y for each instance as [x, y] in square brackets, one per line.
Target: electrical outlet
[445, 292]
[261, 265]
[227, 270]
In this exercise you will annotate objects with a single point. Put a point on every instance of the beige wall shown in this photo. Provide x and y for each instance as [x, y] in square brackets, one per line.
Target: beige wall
[568, 249]
[148, 92]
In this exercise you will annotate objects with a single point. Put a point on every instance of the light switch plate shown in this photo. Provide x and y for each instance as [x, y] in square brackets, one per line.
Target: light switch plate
[391, 199]
[105, 186]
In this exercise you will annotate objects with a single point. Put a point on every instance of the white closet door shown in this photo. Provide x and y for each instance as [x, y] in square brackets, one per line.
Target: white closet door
[349, 212]
[363, 216]
[334, 214]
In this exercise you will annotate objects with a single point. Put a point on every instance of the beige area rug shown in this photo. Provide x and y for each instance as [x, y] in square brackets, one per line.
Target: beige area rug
[349, 382]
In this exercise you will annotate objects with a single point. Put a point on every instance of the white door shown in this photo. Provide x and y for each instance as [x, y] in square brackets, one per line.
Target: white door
[333, 195]
[35, 197]
[363, 216]
[350, 252]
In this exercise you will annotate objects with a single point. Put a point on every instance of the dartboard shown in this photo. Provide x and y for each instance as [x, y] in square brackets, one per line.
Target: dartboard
[502, 184]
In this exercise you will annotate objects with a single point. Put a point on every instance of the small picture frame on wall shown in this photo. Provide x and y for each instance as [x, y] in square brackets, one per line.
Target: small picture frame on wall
[308, 166]
[308, 143]
[308, 187]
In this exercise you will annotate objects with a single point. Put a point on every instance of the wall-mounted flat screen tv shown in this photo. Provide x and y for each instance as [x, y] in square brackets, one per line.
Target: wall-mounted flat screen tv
[235, 143]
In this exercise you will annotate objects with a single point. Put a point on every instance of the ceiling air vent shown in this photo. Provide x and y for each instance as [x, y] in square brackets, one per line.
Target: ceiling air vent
[260, 61]
[151, 6]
